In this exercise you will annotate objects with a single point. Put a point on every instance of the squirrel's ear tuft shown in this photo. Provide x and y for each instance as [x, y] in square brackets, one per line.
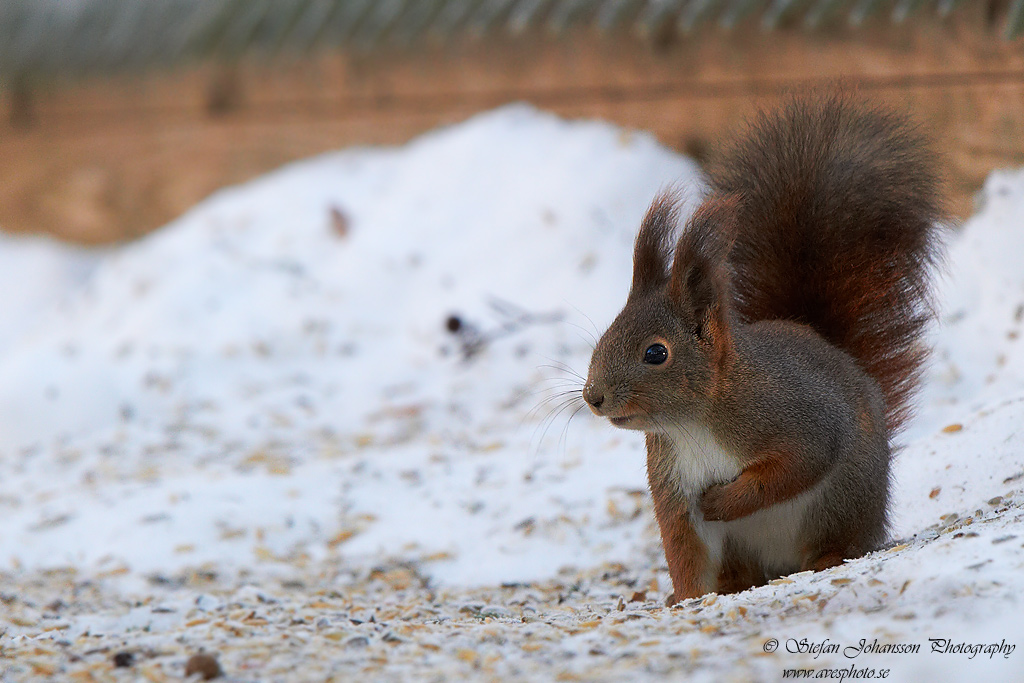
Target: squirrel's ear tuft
[699, 281]
[654, 243]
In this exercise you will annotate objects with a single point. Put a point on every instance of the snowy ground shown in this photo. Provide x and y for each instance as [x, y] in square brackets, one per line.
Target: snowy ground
[252, 433]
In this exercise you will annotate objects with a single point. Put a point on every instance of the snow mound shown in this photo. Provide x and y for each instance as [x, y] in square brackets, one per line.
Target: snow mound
[272, 375]
[362, 356]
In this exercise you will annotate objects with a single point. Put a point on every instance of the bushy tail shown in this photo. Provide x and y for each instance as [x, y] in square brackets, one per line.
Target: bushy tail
[838, 213]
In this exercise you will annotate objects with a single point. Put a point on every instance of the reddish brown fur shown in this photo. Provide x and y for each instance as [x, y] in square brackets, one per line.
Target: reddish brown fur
[822, 562]
[774, 477]
[858, 189]
[738, 573]
[653, 243]
[699, 278]
[685, 553]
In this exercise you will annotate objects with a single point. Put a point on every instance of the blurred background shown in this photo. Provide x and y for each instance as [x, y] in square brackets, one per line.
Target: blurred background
[339, 404]
[118, 116]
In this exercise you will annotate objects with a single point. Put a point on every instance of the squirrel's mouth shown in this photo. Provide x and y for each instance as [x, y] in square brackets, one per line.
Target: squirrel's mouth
[622, 420]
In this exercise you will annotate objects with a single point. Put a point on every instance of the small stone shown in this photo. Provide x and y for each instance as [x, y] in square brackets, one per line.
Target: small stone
[123, 660]
[205, 665]
[340, 223]
[208, 603]
[357, 642]
[496, 611]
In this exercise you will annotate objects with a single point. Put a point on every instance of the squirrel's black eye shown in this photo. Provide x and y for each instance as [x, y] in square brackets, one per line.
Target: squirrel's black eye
[656, 354]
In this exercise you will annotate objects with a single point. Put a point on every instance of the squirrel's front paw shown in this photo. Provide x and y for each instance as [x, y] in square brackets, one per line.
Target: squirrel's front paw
[718, 504]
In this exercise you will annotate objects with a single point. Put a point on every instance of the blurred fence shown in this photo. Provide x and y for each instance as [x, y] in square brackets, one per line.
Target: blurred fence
[73, 37]
[120, 116]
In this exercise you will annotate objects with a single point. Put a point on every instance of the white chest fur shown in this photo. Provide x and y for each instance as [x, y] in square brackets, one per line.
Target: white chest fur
[700, 460]
[769, 536]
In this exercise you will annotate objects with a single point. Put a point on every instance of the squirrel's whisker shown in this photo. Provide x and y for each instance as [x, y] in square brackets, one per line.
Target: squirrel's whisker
[552, 416]
[563, 439]
[559, 366]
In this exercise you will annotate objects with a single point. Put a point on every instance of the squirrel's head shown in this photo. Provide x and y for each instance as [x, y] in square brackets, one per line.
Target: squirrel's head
[661, 359]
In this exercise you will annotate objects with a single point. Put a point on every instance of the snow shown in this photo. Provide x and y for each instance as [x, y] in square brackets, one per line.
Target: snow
[39, 277]
[976, 379]
[249, 368]
[267, 385]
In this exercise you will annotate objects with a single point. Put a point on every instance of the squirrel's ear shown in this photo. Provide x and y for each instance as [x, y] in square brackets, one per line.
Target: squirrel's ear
[654, 243]
[699, 283]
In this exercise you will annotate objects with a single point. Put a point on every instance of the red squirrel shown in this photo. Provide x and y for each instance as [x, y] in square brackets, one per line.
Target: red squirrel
[770, 358]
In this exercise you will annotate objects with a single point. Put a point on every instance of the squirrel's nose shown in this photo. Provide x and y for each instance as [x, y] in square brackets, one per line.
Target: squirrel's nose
[593, 395]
